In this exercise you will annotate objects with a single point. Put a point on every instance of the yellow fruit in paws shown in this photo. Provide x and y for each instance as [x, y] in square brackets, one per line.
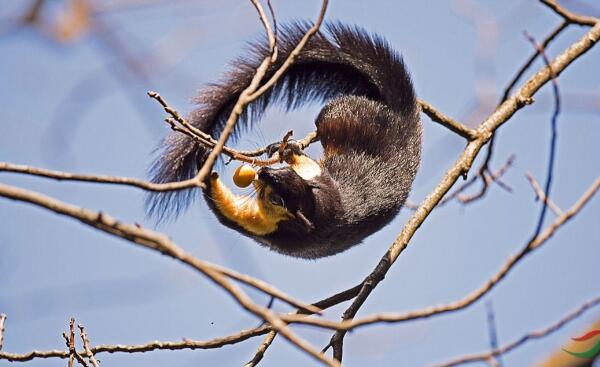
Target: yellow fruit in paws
[244, 175]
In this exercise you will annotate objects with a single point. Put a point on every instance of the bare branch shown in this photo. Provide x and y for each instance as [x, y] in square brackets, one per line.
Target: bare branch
[540, 194]
[270, 34]
[487, 180]
[553, 136]
[70, 341]
[2, 319]
[142, 348]
[493, 333]
[569, 16]
[525, 338]
[86, 346]
[262, 348]
[508, 90]
[452, 125]
[292, 56]
[207, 140]
[58, 175]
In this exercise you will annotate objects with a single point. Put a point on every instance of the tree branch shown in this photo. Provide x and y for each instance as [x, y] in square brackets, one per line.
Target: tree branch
[253, 91]
[541, 195]
[142, 348]
[525, 338]
[2, 320]
[569, 16]
[449, 123]
[86, 346]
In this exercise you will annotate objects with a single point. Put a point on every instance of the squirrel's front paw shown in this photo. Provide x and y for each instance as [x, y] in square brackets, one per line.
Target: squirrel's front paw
[291, 147]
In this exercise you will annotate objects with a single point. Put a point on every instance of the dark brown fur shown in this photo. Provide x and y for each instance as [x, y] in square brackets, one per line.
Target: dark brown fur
[369, 128]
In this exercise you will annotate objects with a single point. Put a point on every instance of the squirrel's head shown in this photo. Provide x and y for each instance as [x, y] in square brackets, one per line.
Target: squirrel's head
[283, 189]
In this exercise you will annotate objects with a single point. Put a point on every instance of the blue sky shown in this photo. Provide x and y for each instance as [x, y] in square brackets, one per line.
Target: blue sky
[73, 107]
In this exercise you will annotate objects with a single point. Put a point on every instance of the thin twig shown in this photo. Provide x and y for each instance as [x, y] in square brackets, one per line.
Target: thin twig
[181, 125]
[553, 134]
[143, 348]
[66, 176]
[569, 16]
[275, 29]
[549, 38]
[86, 346]
[262, 348]
[509, 89]
[525, 338]
[447, 122]
[486, 181]
[253, 91]
[493, 333]
[270, 34]
[70, 341]
[541, 195]
[2, 319]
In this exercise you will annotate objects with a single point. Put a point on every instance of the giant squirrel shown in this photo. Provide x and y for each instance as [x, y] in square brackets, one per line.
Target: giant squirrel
[369, 128]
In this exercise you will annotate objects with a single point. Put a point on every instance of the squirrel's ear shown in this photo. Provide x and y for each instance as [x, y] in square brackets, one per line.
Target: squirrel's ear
[308, 226]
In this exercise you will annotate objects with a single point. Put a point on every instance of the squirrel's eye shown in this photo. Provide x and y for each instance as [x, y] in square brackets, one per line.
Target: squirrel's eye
[275, 199]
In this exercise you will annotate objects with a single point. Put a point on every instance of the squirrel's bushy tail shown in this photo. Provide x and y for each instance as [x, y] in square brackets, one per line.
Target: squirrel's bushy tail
[339, 60]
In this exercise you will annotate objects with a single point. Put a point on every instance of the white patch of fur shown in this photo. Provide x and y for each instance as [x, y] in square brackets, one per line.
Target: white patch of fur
[306, 167]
